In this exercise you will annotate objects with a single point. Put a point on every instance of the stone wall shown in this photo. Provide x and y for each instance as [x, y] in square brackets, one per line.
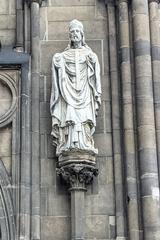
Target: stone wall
[123, 201]
[55, 201]
[7, 22]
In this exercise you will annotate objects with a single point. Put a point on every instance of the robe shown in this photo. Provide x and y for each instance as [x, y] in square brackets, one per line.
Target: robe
[75, 99]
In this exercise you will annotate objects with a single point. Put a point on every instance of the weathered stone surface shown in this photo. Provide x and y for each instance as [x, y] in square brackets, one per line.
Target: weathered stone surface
[97, 227]
[55, 226]
[104, 150]
[63, 3]
[7, 37]
[69, 13]
[4, 7]
[7, 21]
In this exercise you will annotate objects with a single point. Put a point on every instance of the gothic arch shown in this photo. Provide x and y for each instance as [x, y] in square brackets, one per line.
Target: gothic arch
[7, 218]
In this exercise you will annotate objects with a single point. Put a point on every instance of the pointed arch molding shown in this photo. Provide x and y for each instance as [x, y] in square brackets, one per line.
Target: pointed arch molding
[10, 83]
[7, 216]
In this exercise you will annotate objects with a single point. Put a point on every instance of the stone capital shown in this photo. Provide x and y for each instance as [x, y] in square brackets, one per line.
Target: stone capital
[29, 2]
[77, 176]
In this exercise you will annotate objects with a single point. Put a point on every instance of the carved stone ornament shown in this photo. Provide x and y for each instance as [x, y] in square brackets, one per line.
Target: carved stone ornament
[75, 95]
[77, 175]
[9, 84]
[37, 1]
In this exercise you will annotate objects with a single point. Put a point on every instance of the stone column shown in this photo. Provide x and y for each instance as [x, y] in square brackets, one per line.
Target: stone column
[145, 121]
[35, 117]
[78, 171]
[19, 25]
[128, 126]
[155, 50]
[116, 128]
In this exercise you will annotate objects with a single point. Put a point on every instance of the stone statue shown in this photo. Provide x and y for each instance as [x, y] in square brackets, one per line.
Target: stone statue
[76, 94]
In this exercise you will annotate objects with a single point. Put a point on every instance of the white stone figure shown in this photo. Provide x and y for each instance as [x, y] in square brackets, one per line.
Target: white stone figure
[76, 94]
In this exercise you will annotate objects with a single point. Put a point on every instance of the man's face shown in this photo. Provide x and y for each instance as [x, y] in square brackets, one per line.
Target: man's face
[75, 34]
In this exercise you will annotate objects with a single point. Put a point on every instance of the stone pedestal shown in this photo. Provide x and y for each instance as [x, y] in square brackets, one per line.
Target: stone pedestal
[77, 169]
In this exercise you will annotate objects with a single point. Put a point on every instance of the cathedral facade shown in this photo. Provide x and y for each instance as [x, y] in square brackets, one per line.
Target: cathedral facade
[122, 202]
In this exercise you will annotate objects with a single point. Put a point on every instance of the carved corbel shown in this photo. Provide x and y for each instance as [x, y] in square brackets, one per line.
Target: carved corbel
[77, 175]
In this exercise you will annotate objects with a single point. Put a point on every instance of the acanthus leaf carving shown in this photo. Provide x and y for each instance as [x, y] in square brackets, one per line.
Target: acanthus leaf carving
[78, 174]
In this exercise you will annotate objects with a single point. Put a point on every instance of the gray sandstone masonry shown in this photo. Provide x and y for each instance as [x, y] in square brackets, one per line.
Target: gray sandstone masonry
[116, 132]
[145, 121]
[128, 124]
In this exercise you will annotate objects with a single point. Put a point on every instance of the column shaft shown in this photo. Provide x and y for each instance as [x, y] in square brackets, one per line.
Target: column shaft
[78, 214]
[35, 66]
[145, 121]
[19, 25]
[128, 126]
[120, 212]
[155, 47]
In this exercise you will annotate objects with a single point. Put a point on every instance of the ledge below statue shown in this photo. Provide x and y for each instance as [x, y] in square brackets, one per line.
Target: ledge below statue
[76, 156]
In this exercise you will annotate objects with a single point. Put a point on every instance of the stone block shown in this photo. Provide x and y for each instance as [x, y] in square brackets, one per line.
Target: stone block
[129, 141]
[156, 70]
[8, 22]
[4, 9]
[57, 3]
[12, 7]
[45, 125]
[103, 143]
[48, 172]
[116, 141]
[147, 137]
[97, 227]
[105, 82]
[101, 203]
[45, 110]
[43, 24]
[142, 30]
[142, 71]
[58, 226]
[7, 37]
[151, 215]
[58, 205]
[107, 116]
[118, 169]
[128, 116]
[140, 7]
[148, 159]
[155, 35]
[149, 185]
[125, 34]
[100, 10]
[44, 201]
[98, 30]
[145, 111]
[102, 170]
[56, 14]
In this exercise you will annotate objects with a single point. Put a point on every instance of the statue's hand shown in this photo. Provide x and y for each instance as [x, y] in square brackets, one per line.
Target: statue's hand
[57, 59]
[92, 57]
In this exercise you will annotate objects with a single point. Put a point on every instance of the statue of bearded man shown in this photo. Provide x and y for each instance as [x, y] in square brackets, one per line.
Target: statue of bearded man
[76, 94]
